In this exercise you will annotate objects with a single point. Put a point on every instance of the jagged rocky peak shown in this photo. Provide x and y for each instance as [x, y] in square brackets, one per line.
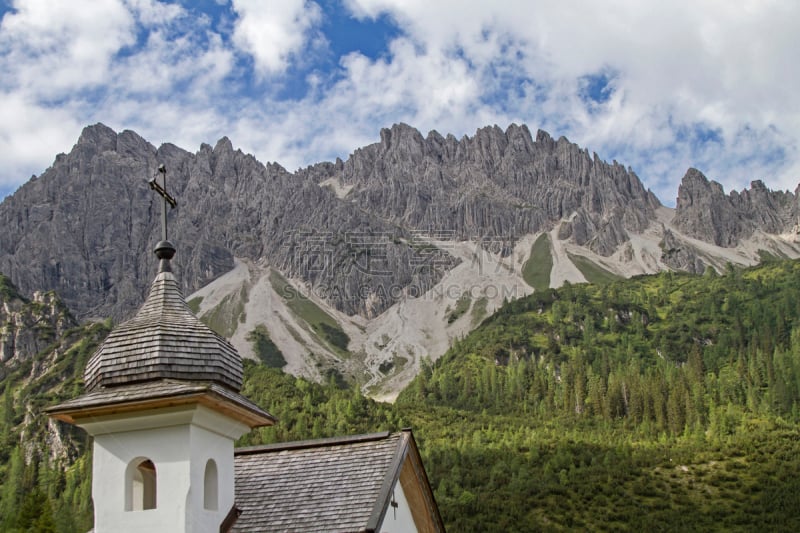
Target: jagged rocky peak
[696, 187]
[224, 144]
[130, 143]
[704, 211]
[86, 226]
[89, 223]
[98, 136]
[489, 143]
[400, 136]
[497, 183]
[519, 138]
[487, 147]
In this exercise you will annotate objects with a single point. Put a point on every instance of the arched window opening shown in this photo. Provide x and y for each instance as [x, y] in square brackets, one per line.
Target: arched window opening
[210, 486]
[140, 485]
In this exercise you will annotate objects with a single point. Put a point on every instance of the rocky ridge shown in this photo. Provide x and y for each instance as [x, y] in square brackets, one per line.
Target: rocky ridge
[404, 246]
[496, 186]
[87, 226]
[703, 211]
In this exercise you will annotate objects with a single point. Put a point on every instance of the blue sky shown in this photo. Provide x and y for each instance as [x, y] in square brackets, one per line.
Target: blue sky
[657, 86]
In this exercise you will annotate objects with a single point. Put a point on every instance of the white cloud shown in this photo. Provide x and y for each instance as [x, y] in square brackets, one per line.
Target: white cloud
[678, 65]
[62, 46]
[273, 31]
[153, 12]
[49, 51]
[63, 71]
[690, 83]
[28, 131]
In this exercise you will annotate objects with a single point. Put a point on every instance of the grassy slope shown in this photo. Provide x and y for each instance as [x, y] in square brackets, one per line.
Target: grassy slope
[322, 325]
[225, 317]
[593, 272]
[536, 270]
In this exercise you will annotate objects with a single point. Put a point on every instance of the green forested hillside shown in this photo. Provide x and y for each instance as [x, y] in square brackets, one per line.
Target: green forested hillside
[666, 402]
[669, 353]
[44, 466]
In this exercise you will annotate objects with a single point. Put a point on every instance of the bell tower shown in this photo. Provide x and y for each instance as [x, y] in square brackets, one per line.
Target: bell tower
[163, 405]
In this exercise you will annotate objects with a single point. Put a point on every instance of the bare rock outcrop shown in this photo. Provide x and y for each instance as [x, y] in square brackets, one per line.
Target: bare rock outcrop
[85, 228]
[28, 326]
[679, 255]
[497, 184]
[704, 211]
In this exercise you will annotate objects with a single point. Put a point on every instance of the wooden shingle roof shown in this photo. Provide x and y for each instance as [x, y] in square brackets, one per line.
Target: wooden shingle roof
[165, 340]
[332, 485]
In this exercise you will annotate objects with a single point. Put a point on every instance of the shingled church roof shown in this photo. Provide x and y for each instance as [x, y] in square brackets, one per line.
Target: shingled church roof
[165, 340]
[338, 484]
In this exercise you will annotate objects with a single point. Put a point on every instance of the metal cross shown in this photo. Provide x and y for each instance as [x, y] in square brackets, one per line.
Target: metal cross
[162, 190]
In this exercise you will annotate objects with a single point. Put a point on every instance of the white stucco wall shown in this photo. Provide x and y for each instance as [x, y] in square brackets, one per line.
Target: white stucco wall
[179, 441]
[399, 519]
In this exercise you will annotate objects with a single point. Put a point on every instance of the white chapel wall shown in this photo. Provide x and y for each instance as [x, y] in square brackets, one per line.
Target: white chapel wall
[179, 446]
[166, 448]
[398, 519]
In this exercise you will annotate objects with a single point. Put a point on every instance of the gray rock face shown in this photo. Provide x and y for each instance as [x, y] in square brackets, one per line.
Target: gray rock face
[86, 227]
[704, 211]
[496, 185]
[28, 326]
[680, 255]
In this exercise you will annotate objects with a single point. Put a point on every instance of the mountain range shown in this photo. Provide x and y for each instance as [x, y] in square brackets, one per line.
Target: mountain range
[363, 268]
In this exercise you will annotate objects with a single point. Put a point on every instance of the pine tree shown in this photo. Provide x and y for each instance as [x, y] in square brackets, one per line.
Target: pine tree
[12, 490]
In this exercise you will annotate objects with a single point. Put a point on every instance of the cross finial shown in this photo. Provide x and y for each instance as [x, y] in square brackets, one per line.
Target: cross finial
[162, 190]
[164, 249]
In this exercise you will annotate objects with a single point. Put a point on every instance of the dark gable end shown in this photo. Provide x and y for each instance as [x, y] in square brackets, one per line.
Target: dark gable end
[419, 494]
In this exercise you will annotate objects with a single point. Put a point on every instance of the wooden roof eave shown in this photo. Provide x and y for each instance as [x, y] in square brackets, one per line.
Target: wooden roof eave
[389, 481]
[216, 402]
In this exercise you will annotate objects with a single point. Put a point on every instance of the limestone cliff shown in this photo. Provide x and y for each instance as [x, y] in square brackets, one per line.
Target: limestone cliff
[358, 233]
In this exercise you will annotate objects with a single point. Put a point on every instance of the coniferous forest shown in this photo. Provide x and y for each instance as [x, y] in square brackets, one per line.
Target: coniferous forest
[660, 403]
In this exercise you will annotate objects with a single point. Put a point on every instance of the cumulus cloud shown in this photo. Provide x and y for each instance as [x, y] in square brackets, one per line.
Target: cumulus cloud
[62, 46]
[138, 64]
[273, 31]
[48, 51]
[657, 86]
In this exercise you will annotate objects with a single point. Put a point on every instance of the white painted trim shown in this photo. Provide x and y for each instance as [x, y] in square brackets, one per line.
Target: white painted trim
[196, 414]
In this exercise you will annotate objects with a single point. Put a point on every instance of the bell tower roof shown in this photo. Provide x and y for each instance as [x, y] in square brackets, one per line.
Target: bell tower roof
[164, 340]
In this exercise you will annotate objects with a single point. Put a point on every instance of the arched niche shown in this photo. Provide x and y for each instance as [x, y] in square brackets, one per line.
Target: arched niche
[141, 483]
[211, 486]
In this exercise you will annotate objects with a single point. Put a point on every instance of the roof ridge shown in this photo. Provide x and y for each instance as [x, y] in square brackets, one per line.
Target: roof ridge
[315, 443]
